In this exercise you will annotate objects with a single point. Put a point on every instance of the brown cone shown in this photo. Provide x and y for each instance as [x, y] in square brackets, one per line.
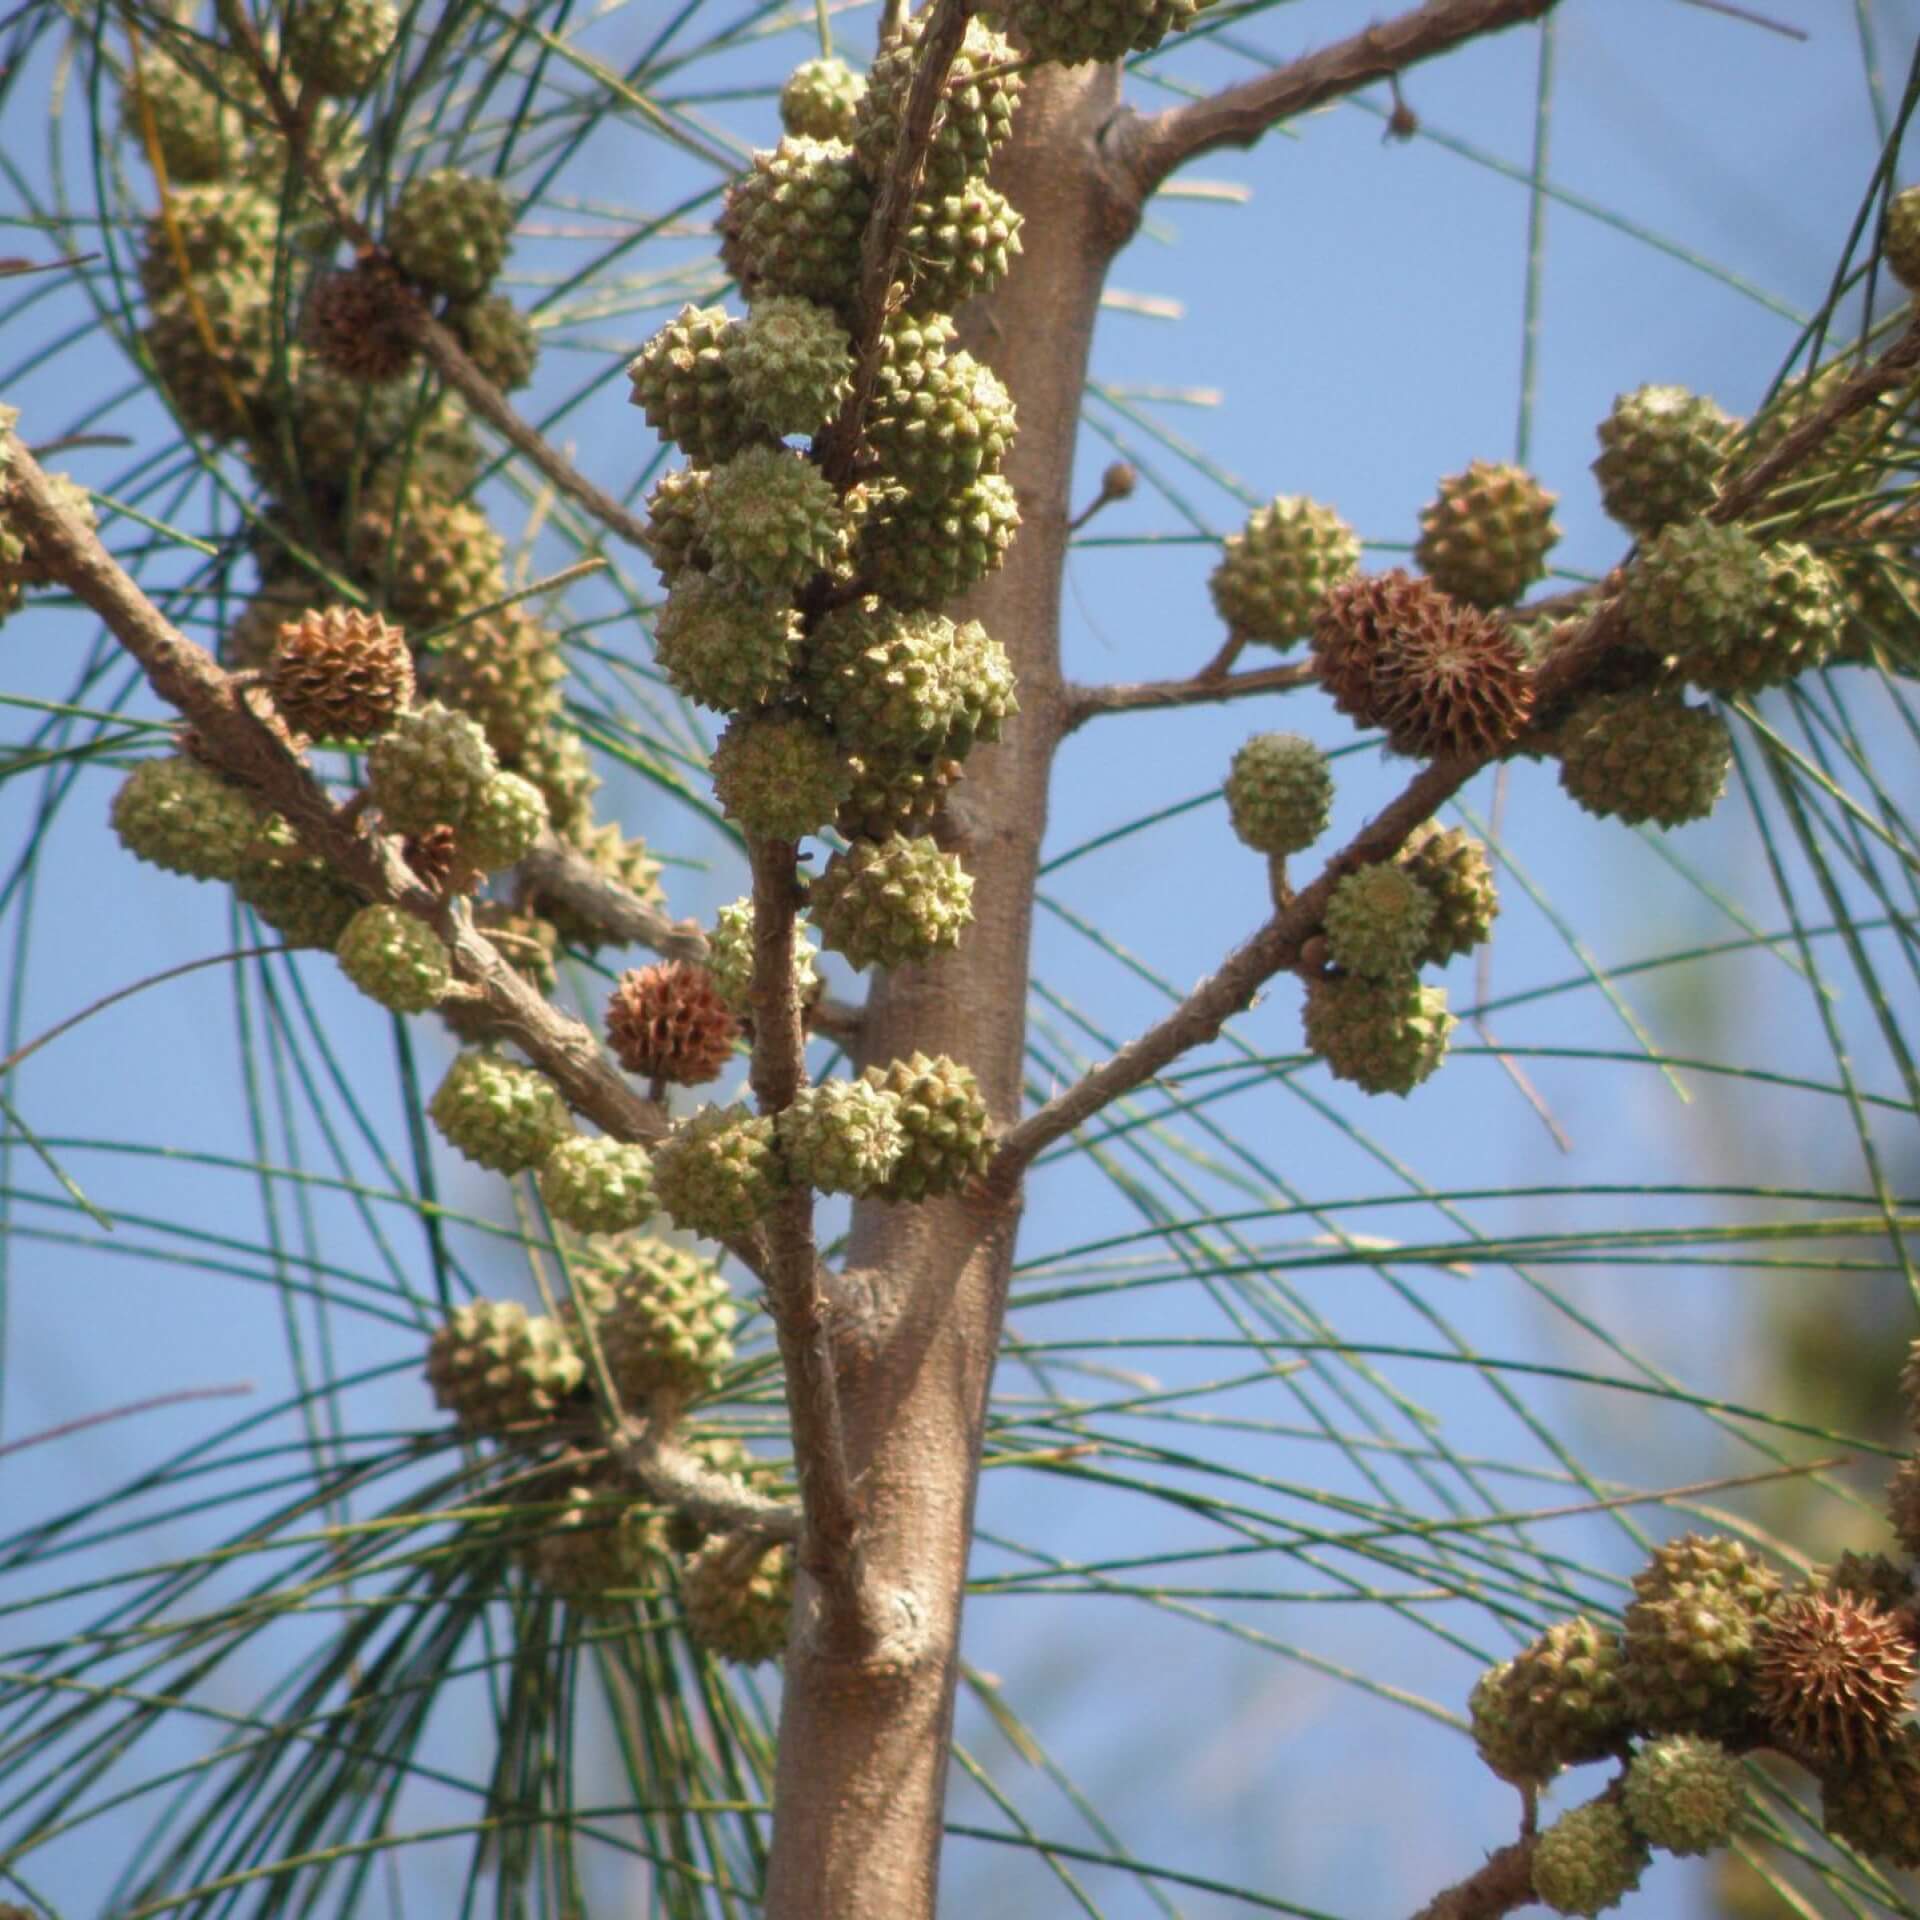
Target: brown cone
[356, 323]
[341, 674]
[668, 1022]
[1357, 618]
[436, 857]
[1450, 681]
[1831, 1676]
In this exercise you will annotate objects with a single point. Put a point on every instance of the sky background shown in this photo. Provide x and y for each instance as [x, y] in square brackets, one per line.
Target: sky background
[1350, 323]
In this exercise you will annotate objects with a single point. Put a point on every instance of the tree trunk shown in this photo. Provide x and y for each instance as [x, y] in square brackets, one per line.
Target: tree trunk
[865, 1731]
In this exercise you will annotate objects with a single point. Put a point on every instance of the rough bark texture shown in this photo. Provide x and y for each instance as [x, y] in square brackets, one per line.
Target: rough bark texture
[865, 1730]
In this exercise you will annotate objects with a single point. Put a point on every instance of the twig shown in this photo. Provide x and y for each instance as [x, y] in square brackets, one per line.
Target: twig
[1082, 704]
[672, 1477]
[1504, 1883]
[1146, 148]
[180, 1396]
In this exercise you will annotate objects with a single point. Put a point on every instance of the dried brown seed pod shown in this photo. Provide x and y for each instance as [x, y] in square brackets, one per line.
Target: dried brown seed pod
[668, 1022]
[357, 322]
[1831, 1676]
[340, 674]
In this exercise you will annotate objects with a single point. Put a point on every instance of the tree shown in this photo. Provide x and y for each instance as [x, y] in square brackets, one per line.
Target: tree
[580, 1521]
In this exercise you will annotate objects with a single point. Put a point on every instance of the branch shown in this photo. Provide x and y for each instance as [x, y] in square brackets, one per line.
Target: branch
[1087, 703]
[1505, 1882]
[670, 1476]
[1145, 148]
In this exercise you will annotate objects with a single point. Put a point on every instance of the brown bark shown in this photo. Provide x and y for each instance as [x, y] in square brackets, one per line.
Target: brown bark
[865, 1731]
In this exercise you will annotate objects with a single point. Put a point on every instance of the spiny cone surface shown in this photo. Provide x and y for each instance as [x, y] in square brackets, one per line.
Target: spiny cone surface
[1452, 866]
[917, 553]
[1690, 1660]
[556, 761]
[1555, 1704]
[884, 903]
[221, 230]
[340, 674]
[215, 377]
[503, 823]
[738, 1595]
[596, 1185]
[730, 958]
[1448, 681]
[1067, 32]
[1832, 1677]
[1875, 1806]
[668, 1022]
[1589, 1860]
[682, 381]
[449, 230]
[1645, 756]
[664, 1319]
[723, 647]
[499, 339]
[781, 775]
[338, 46]
[1696, 588]
[1868, 1576]
[773, 516]
[794, 222]
[790, 365]
[505, 672]
[940, 426]
[1800, 626]
[196, 126]
[494, 1366]
[821, 100]
[1661, 452]
[718, 1172]
[1685, 1794]
[1274, 573]
[1386, 1036]
[175, 813]
[598, 1542]
[676, 515]
[501, 1116]
[842, 1136]
[353, 437]
[974, 117]
[1903, 1505]
[626, 863]
[1692, 1560]
[394, 959]
[1358, 616]
[1279, 793]
[891, 796]
[298, 896]
[907, 684]
[432, 560]
[356, 323]
[1378, 922]
[958, 246]
[949, 1135]
[1485, 537]
[429, 768]
[1900, 247]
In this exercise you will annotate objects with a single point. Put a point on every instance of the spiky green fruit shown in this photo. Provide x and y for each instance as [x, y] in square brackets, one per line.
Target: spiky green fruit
[1273, 574]
[1486, 536]
[664, 1319]
[1689, 1659]
[682, 380]
[449, 230]
[501, 1116]
[958, 246]
[789, 366]
[339, 46]
[941, 425]
[1386, 1036]
[902, 685]
[494, 1366]
[1589, 1860]
[730, 958]
[1066, 32]
[212, 346]
[794, 222]
[175, 813]
[556, 760]
[394, 958]
[1696, 588]
[596, 1185]
[676, 517]
[503, 822]
[191, 113]
[599, 1541]
[499, 339]
[1378, 922]
[948, 1131]
[1900, 244]
[1692, 1560]
[1452, 866]
[429, 769]
[722, 646]
[781, 775]
[738, 1595]
[821, 100]
[842, 1136]
[1685, 1794]
[1555, 1704]
[1874, 1806]
[718, 1172]
[1800, 626]
[919, 553]
[627, 863]
[505, 672]
[1661, 452]
[1279, 793]
[212, 231]
[974, 117]
[773, 517]
[432, 560]
[895, 796]
[298, 896]
[1644, 756]
[884, 903]
[377, 437]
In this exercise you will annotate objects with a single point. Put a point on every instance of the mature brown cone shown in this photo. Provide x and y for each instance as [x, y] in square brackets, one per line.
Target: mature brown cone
[436, 857]
[340, 674]
[1831, 1676]
[668, 1022]
[1358, 617]
[1450, 681]
[356, 322]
